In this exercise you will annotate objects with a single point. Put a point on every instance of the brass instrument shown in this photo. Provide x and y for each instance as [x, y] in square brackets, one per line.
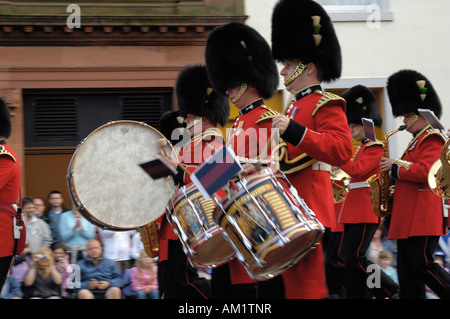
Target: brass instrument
[439, 174]
[379, 183]
[339, 182]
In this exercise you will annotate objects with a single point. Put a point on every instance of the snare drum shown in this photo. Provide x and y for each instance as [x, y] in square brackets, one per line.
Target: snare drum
[107, 185]
[190, 215]
[268, 225]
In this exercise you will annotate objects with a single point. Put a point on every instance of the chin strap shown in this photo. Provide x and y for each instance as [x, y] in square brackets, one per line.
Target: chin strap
[241, 92]
[194, 122]
[297, 72]
[413, 120]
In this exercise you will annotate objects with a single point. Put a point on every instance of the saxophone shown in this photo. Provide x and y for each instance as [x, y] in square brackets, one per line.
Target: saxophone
[379, 183]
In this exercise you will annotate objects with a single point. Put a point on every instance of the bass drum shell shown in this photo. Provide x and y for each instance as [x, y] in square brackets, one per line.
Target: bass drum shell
[106, 183]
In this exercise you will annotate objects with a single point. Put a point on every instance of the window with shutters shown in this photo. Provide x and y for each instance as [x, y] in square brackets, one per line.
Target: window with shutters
[146, 108]
[55, 118]
[64, 118]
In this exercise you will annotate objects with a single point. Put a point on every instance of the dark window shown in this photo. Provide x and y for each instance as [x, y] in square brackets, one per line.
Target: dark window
[55, 118]
[63, 118]
[146, 108]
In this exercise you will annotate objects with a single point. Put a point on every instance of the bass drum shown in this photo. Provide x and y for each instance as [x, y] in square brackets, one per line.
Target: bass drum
[107, 185]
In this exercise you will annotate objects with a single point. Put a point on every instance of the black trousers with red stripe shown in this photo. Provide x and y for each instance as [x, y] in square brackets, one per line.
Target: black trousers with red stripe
[5, 263]
[416, 268]
[177, 279]
[362, 278]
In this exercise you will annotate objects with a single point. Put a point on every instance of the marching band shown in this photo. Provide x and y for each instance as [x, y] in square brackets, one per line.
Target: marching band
[276, 230]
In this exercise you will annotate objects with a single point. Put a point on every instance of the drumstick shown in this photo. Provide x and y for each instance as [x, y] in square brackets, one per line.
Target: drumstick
[162, 143]
[269, 142]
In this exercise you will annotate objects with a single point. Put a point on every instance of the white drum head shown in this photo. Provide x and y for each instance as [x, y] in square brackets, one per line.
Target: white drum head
[108, 185]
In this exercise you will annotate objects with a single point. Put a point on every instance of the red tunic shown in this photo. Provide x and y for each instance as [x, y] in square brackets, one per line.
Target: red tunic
[417, 211]
[191, 156]
[327, 139]
[250, 133]
[357, 207]
[10, 175]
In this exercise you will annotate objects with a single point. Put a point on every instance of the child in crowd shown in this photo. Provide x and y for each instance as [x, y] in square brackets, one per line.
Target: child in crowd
[385, 260]
[144, 278]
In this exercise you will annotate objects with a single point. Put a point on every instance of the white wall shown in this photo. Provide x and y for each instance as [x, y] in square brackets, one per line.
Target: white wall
[417, 38]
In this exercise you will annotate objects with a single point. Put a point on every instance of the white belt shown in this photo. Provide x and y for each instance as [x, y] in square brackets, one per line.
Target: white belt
[358, 185]
[321, 166]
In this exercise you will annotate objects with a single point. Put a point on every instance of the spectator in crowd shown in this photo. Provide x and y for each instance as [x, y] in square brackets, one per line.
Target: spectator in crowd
[379, 243]
[385, 262]
[54, 211]
[444, 246]
[43, 280]
[144, 278]
[38, 232]
[74, 232]
[136, 246]
[11, 289]
[117, 247]
[40, 206]
[63, 265]
[100, 276]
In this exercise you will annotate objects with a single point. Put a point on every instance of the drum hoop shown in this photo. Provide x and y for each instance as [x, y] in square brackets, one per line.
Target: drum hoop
[73, 192]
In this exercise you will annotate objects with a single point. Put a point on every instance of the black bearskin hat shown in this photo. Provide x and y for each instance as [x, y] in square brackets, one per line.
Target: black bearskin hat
[301, 29]
[196, 96]
[361, 103]
[235, 54]
[5, 120]
[168, 123]
[409, 91]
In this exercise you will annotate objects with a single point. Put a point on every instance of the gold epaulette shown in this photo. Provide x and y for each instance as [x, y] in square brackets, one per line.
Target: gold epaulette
[373, 143]
[326, 97]
[3, 151]
[427, 131]
[267, 115]
[430, 132]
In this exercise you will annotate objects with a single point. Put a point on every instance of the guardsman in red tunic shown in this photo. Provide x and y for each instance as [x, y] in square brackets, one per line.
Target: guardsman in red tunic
[10, 174]
[417, 219]
[239, 64]
[357, 215]
[203, 109]
[315, 127]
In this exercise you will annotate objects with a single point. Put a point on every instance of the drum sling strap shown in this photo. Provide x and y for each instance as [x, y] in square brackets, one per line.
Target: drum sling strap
[18, 223]
[15, 212]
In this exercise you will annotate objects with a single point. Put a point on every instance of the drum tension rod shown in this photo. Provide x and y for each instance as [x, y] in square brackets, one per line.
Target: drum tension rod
[300, 202]
[179, 230]
[247, 243]
[284, 240]
[194, 209]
